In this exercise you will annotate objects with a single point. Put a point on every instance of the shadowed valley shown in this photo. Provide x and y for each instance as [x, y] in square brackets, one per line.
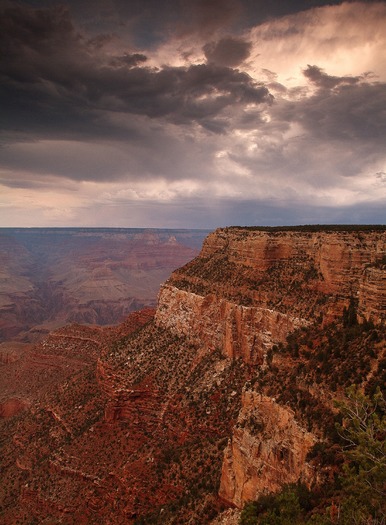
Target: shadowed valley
[51, 277]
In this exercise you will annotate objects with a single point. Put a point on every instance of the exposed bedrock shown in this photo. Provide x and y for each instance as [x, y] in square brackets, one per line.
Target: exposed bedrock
[268, 449]
[248, 289]
[217, 323]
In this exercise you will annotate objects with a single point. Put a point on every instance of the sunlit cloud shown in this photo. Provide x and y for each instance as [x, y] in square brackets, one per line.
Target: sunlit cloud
[199, 118]
[346, 39]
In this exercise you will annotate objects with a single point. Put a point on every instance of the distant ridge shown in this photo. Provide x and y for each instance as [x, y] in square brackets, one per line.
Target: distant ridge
[313, 228]
[67, 229]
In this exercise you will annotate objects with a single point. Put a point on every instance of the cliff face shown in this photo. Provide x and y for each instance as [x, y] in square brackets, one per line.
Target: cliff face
[218, 323]
[372, 293]
[248, 289]
[268, 449]
[245, 293]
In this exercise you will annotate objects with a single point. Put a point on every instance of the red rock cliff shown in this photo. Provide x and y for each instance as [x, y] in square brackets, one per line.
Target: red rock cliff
[268, 449]
[248, 289]
[152, 419]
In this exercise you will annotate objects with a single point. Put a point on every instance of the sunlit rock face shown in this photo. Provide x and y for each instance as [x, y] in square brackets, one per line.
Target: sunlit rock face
[268, 449]
[211, 320]
[207, 402]
[246, 292]
[372, 294]
[248, 289]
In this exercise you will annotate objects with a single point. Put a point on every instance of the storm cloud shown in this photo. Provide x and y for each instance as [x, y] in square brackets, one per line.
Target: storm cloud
[227, 51]
[51, 76]
[217, 106]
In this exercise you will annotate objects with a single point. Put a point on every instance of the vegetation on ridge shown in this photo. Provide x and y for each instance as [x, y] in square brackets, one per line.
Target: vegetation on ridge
[161, 407]
[313, 228]
[357, 495]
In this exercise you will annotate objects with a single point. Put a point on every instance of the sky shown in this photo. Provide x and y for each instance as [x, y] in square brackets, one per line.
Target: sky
[192, 113]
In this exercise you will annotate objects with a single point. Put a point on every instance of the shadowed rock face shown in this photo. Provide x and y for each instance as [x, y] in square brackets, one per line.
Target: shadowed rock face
[167, 418]
[51, 277]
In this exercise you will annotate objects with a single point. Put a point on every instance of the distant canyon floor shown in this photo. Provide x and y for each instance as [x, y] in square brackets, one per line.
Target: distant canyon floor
[56, 276]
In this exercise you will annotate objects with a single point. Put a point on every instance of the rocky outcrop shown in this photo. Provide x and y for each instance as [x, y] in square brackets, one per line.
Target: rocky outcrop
[372, 294]
[137, 404]
[249, 289]
[246, 292]
[124, 401]
[338, 256]
[219, 394]
[268, 449]
[217, 323]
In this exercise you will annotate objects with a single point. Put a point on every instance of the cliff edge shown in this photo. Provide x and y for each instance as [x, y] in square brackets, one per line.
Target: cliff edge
[248, 289]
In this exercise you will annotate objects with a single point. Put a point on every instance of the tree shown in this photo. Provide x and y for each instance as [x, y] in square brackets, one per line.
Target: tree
[363, 431]
[275, 509]
[361, 499]
[249, 514]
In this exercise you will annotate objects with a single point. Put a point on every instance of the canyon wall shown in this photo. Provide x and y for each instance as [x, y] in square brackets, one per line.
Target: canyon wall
[248, 289]
[217, 323]
[53, 277]
[216, 399]
[244, 294]
[372, 293]
[267, 450]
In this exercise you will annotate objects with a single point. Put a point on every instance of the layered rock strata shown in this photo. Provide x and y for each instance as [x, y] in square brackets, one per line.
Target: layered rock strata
[246, 292]
[268, 449]
[217, 323]
[153, 419]
[248, 289]
[372, 293]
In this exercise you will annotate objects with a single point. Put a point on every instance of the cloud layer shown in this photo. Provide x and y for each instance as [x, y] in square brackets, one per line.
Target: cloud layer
[209, 115]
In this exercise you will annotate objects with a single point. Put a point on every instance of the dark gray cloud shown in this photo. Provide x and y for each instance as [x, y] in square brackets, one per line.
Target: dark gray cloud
[206, 17]
[185, 145]
[228, 51]
[151, 22]
[51, 76]
[128, 60]
[345, 108]
[323, 80]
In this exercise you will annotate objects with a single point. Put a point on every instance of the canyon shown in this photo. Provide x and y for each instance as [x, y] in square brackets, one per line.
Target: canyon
[50, 277]
[221, 393]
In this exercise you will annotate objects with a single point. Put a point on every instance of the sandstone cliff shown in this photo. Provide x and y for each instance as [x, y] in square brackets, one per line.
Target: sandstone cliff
[248, 289]
[267, 450]
[245, 293]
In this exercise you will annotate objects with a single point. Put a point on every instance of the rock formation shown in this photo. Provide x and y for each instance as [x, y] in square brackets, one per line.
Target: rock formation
[53, 277]
[268, 449]
[249, 289]
[219, 398]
